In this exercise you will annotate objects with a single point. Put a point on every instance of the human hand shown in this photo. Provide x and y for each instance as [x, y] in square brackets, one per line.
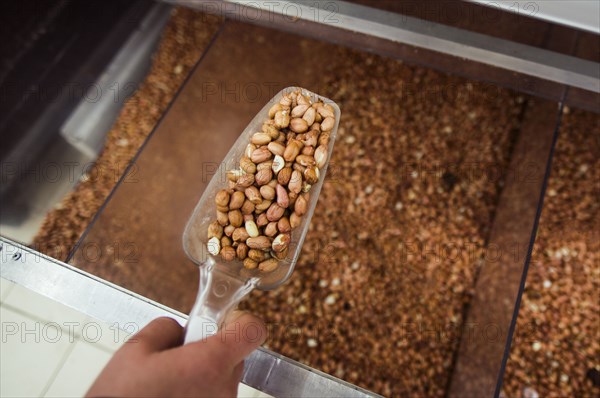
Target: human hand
[154, 363]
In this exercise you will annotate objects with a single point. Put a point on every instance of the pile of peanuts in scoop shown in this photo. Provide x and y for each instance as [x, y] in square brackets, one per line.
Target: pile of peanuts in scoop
[268, 195]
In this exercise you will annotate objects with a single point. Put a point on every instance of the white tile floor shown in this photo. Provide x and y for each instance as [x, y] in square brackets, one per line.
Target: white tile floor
[50, 350]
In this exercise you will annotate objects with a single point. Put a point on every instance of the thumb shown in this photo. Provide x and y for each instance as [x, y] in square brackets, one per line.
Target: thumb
[241, 334]
[160, 334]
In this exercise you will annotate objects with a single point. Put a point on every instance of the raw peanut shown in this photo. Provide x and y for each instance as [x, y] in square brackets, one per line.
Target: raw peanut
[312, 138]
[253, 195]
[229, 229]
[316, 126]
[271, 130]
[278, 164]
[251, 229]
[295, 220]
[311, 175]
[272, 183]
[240, 235]
[231, 185]
[283, 177]
[257, 255]
[225, 241]
[324, 139]
[321, 156]
[249, 263]
[301, 137]
[276, 148]
[259, 242]
[222, 218]
[224, 209]
[262, 206]
[327, 124]
[275, 212]
[293, 196]
[260, 138]
[249, 149]
[237, 200]
[283, 225]
[309, 116]
[242, 251]
[301, 205]
[268, 265]
[330, 109]
[214, 245]
[282, 119]
[248, 217]
[247, 165]
[267, 164]
[299, 110]
[222, 198]
[215, 230]
[247, 207]
[228, 253]
[267, 192]
[261, 154]
[303, 99]
[326, 111]
[234, 175]
[280, 255]
[235, 218]
[263, 176]
[262, 220]
[306, 187]
[299, 167]
[274, 109]
[291, 151]
[308, 150]
[305, 160]
[295, 184]
[290, 136]
[286, 100]
[244, 181]
[271, 229]
[281, 139]
[281, 242]
[282, 197]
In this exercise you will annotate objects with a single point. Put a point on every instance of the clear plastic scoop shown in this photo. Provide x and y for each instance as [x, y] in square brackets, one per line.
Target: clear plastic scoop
[224, 284]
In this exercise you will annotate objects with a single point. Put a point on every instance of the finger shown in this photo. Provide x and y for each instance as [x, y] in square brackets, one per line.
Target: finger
[241, 334]
[160, 334]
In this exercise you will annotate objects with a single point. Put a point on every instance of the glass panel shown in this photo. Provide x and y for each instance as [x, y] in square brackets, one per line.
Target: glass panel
[556, 337]
[381, 291]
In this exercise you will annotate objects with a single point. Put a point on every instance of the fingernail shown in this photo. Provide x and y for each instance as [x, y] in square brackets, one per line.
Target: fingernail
[234, 315]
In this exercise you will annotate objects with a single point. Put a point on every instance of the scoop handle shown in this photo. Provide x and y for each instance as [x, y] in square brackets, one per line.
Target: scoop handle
[218, 294]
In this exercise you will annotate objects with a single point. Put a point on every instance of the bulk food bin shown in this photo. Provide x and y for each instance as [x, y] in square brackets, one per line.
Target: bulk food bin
[410, 275]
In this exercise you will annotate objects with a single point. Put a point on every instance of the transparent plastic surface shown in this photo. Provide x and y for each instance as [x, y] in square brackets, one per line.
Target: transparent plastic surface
[218, 294]
[195, 235]
[224, 284]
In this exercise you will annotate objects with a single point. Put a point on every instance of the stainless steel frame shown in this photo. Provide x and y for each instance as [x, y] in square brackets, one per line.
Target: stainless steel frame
[400, 29]
[264, 370]
[584, 15]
